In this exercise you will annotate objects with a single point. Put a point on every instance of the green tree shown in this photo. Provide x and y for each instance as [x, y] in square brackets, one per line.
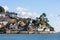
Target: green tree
[44, 14]
[42, 19]
[1, 9]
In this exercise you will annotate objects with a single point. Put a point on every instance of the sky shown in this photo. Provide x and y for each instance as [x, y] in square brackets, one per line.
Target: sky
[34, 8]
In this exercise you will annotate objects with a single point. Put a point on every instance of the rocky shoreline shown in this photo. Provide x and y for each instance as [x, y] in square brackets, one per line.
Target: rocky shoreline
[30, 32]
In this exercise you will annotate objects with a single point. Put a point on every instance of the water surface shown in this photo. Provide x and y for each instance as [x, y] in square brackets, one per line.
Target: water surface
[29, 36]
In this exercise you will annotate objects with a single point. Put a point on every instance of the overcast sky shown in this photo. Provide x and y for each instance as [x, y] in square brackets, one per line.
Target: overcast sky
[34, 8]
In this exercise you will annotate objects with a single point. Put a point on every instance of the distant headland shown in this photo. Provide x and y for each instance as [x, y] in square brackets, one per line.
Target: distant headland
[11, 23]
